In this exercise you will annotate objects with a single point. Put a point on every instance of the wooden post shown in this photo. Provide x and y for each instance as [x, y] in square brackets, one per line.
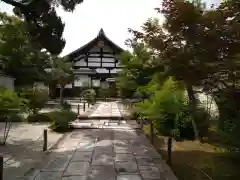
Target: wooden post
[84, 106]
[169, 151]
[78, 109]
[45, 140]
[151, 132]
[141, 123]
[1, 168]
[88, 105]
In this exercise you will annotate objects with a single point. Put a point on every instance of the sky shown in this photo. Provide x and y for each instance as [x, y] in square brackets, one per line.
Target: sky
[114, 16]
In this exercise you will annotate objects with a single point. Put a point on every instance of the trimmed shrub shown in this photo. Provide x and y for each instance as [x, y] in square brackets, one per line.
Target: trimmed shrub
[66, 106]
[89, 95]
[61, 120]
[38, 118]
[103, 93]
[16, 118]
[13, 118]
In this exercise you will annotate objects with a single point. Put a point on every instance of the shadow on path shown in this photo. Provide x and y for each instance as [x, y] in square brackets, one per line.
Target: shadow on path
[103, 154]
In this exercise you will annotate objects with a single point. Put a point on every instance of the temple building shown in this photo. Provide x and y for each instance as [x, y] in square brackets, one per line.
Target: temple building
[95, 64]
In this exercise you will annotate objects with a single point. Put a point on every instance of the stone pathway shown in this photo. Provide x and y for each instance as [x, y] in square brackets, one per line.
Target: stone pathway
[23, 150]
[113, 124]
[106, 109]
[113, 153]
[104, 154]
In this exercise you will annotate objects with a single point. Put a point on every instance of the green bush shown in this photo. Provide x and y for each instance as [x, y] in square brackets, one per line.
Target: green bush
[11, 104]
[61, 120]
[89, 95]
[168, 109]
[37, 98]
[13, 118]
[66, 106]
[134, 114]
[103, 92]
[16, 118]
[38, 118]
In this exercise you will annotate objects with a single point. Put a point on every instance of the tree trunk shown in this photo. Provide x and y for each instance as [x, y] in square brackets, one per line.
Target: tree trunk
[61, 95]
[193, 106]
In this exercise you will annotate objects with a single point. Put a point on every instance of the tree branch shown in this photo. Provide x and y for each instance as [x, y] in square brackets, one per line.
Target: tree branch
[14, 3]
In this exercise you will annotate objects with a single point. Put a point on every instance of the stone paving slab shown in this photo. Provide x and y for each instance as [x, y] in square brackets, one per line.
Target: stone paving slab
[98, 158]
[106, 172]
[129, 177]
[23, 150]
[106, 109]
[76, 169]
[115, 150]
[49, 176]
[75, 178]
[126, 167]
[108, 124]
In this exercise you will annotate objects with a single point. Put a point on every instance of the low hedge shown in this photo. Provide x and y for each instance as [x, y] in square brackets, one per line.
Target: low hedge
[38, 118]
[61, 120]
[13, 118]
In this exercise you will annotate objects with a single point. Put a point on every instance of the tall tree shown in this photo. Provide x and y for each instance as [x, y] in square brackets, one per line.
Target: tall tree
[61, 74]
[20, 57]
[177, 43]
[197, 46]
[138, 68]
[44, 24]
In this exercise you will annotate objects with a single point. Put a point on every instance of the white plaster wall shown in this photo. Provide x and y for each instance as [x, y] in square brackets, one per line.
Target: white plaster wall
[81, 80]
[108, 60]
[95, 64]
[208, 103]
[7, 82]
[96, 82]
[94, 59]
[108, 64]
[68, 86]
[101, 70]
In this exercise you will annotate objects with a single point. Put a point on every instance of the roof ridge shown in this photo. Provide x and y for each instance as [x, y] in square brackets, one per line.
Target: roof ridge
[101, 32]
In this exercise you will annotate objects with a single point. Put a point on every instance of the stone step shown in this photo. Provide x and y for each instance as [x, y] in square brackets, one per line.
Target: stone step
[102, 124]
[82, 117]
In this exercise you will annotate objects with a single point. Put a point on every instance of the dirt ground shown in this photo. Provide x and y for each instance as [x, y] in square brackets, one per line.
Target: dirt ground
[192, 160]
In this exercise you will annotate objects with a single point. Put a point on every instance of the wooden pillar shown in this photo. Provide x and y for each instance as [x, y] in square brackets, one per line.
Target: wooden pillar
[73, 88]
[45, 140]
[151, 132]
[78, 109]
[1, 167]
[91, 83]
[169, 160]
